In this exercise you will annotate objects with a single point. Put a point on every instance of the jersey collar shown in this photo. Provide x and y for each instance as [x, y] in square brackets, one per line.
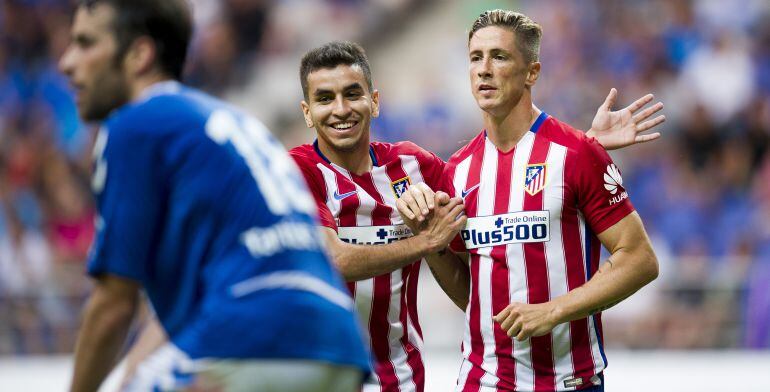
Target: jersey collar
[320, 154]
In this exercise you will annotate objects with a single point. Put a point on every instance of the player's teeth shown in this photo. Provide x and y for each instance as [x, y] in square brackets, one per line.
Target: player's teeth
[343, 126]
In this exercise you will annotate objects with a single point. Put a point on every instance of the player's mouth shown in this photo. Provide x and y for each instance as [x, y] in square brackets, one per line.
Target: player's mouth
[486, 89]
[344, 126]
[79, 90]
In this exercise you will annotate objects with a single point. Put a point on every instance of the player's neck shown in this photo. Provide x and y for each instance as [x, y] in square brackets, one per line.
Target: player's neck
[141, 84]
[357, 161]
[506, 131]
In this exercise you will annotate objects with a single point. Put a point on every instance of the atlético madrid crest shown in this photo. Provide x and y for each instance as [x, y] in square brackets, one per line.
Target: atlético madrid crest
[534, 180]
[400, 186]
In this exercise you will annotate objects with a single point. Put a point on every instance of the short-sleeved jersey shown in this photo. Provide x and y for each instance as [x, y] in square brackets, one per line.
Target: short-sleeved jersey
[362, 209]
[533, 215]
[204, 208]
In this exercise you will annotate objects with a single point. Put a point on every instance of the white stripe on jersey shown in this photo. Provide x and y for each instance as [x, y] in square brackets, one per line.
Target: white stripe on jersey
[330, 179]
[484, 207]
[517, 269]
[459, 182]
[553, 199]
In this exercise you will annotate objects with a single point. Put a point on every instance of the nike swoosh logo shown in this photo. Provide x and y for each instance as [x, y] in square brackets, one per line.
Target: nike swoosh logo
[469, 190]
[338, 197]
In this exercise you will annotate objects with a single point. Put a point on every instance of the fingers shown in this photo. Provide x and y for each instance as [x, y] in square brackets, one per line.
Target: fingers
[498, 318]
[523, 334]
[609, 102]
[441, 198]
[408, 207]
[646, 138]
[644, 114]
[427, 193]
[649, 124]
[639, 103]
[456, 214]
[514, 329]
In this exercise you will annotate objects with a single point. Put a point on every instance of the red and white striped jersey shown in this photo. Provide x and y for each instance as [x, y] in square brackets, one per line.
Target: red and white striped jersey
[362, 209]
[533, 214]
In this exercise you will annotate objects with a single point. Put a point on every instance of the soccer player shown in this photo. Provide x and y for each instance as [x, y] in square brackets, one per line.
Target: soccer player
[356, 184]
[203, 209]
[540, 198]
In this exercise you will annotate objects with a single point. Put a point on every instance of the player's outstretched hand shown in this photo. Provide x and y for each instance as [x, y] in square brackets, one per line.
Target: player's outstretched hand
[417, 202]
[623, 128]
[523, 321]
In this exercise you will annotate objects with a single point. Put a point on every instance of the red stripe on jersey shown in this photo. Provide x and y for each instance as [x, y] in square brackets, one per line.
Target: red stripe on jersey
[348, 208]
[348, 205]
[501, 297]
[582, 357]
[537, 280]
[476, 356]
[379, 325]
[409, 274]
[413, 357]
[411, 296]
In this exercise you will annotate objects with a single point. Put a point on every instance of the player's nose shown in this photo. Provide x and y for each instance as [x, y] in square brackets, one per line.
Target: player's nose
[341, 107]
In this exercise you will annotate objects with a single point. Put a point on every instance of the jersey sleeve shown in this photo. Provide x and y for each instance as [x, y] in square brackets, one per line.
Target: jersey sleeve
[432, 168]
[318, 190]
[129, 203]
[600, 193]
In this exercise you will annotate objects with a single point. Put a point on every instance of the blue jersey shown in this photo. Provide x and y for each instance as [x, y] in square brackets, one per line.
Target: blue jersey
[203, 207]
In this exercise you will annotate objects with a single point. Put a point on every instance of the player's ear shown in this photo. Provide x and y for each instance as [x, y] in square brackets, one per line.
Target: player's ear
[375, 103]
[533, 73]
[306, 113]
[140, 56]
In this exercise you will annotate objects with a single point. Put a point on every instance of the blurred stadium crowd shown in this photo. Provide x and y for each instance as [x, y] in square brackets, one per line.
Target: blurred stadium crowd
[703, 190]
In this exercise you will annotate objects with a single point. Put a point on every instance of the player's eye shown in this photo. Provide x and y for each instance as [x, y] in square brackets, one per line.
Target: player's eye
[475, 58]
[500, 57]
[354, 95]
[324, 99]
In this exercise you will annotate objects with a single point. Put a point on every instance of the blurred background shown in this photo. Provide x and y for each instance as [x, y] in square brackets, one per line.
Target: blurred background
[703, 190]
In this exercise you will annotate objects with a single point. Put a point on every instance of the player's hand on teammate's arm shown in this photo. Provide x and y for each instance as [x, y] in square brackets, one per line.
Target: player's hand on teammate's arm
[417, 202]
[623, 128]
[523, 321]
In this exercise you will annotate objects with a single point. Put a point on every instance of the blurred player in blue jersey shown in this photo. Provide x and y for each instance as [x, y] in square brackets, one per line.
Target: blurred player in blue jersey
[203, 209]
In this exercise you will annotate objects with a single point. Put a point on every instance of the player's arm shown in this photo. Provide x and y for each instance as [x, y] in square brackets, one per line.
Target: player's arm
[150, 339]
[450, 269]
[106, 320]
[632, 265]
[358, 262]
[623, 128]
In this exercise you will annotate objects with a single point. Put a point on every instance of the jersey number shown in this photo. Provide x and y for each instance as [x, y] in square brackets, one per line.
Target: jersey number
[275, 174]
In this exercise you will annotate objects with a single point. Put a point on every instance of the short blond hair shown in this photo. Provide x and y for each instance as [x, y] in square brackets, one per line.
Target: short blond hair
[528, 33]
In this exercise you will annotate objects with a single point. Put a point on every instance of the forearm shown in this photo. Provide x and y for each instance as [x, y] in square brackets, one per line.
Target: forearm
[452, 275]
[151, 337]
[617, 279]
[359, 262]
[101, 337]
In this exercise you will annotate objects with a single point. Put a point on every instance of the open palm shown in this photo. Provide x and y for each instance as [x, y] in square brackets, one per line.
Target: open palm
[623, 128]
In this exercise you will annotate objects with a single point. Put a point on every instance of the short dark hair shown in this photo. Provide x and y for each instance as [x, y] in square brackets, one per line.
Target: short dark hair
[167, 22]
[528, 33]
[331, 55]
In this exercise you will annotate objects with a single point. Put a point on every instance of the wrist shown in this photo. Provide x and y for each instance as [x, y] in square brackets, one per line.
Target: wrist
[591, 133]
[558, 313]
